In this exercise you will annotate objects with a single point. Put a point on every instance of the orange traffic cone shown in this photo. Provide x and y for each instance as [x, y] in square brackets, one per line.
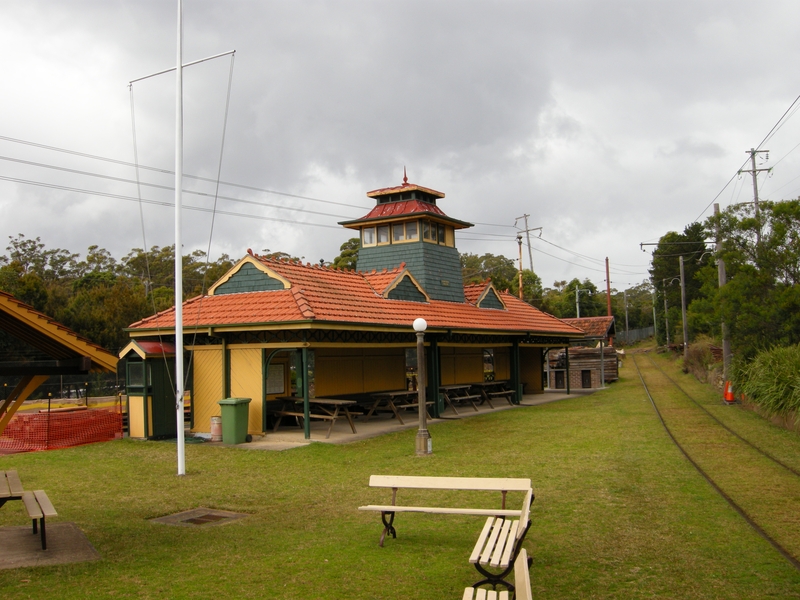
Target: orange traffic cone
[728, 394]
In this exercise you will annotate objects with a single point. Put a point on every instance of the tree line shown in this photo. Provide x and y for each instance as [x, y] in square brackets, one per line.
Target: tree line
[760, 303]
[98, 296]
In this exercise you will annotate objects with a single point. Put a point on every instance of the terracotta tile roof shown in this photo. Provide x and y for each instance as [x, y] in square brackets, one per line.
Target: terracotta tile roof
[380, 280]
[473, 291]
[325, 295]
[595, 327]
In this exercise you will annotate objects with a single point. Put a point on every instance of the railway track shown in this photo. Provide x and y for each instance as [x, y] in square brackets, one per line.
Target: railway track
[761, 488]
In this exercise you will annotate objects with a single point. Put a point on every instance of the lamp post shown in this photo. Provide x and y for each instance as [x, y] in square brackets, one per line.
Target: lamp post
[424, 443]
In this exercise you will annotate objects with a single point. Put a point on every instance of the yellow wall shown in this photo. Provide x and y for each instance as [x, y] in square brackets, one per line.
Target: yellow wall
[359, 370]
[136, 417]
[247, 382]
[208, 386]
[502, 364]
[461, 365]
[530, 367]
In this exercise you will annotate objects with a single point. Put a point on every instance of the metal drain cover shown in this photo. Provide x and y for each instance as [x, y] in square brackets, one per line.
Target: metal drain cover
[199, 517]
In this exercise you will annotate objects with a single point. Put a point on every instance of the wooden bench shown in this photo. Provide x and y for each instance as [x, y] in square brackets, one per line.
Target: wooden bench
[37, 504]
[39, 507]
[522, 584]
[485, 484]
[394, 400]
[459, 393]
[319, 408]
[10, 486]
[499, 545]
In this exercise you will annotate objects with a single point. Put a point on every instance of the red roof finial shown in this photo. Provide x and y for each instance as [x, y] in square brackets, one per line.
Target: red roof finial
[405, 177]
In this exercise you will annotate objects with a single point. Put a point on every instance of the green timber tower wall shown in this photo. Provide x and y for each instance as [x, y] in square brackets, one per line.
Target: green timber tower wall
[437, 268]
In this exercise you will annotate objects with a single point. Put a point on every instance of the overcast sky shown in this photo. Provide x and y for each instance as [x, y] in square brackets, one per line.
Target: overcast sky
[609, 123]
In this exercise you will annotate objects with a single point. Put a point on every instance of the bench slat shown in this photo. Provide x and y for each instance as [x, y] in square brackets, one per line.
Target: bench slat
[522, 577]
[485, 512]
[34, 512]
[14, 483]
[5, 491]
[504, 539]
[487, 549]
[476, 552]
[526, 513]
[480, 594]
[468, 592]
[510, 543]
[498, 484]
[44, 503]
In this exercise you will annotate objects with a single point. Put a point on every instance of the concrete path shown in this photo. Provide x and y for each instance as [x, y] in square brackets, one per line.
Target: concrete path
[291, 436]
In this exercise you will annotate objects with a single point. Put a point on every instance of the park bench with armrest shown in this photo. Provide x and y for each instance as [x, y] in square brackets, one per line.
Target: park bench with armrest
[487, 484]
[522, 584]
[499, 544]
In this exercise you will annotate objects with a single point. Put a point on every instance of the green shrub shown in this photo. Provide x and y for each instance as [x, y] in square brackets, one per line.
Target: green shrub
[772, 381]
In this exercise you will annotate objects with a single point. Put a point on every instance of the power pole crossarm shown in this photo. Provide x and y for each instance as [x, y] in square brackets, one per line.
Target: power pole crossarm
[754, 172]
[527, 232]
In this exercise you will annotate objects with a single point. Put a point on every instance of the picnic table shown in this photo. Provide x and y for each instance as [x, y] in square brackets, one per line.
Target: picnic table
[490, 390]
[326, 409]
[459, 392]
[10, 487]
[393, 400]
[37, 504]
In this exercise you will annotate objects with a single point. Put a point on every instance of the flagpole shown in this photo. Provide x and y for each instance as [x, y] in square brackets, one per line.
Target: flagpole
[178, 247]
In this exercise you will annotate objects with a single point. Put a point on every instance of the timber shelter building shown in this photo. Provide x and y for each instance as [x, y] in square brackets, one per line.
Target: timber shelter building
[269, 328]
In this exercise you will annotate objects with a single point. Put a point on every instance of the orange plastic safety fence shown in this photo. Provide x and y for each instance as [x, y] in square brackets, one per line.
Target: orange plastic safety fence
[27, 432]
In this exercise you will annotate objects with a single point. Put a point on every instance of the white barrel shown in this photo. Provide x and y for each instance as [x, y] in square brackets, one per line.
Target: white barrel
[216, 429]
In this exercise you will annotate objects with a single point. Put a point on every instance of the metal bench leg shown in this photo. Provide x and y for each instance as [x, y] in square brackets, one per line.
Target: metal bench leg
[44, 536]
[387, 527]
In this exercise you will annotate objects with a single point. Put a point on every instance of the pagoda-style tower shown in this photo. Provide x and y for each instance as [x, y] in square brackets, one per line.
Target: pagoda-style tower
[407, 227]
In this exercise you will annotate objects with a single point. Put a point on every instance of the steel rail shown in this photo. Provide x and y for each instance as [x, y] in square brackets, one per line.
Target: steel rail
[728, 429]
[733, 504]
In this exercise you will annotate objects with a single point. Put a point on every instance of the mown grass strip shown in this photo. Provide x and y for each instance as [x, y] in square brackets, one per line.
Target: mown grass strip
[618, 514]
[763, 489]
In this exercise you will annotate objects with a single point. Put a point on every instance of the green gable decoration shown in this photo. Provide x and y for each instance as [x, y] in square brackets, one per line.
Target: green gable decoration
[249, 279]
[491, 300]
[406, 290]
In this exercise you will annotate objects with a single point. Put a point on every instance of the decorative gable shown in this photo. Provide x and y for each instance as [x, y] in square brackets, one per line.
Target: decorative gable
[405, 287]
[249, 275]
[491, 299]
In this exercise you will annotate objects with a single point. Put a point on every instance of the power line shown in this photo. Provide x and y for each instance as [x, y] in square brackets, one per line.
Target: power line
[772, 132]
[162, 203]
[169, 172]
[170, 188]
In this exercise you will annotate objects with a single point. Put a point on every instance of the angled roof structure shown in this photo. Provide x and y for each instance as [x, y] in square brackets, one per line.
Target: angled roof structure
[319, 296]
[67, 352]
[596, 328]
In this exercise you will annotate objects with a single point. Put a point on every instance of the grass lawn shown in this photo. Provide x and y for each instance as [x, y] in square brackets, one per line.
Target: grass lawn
[619, 513]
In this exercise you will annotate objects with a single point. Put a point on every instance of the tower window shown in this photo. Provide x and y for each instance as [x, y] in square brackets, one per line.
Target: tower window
[368, 236]
[383, 234]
